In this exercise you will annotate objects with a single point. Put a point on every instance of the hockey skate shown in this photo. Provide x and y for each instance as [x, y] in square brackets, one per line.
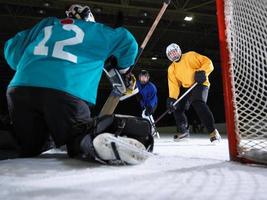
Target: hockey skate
[155, 133]
[181, 136]
[120, 150]
[215, 137]
[152, 122]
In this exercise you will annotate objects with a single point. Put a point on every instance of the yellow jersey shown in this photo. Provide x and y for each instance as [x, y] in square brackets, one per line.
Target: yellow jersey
[182, 73]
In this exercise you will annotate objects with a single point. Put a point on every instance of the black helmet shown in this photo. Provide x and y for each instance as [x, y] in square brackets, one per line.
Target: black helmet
[144, 73]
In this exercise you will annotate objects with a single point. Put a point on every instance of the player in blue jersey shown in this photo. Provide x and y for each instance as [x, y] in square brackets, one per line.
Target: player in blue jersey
[147, 97]
[58, 64]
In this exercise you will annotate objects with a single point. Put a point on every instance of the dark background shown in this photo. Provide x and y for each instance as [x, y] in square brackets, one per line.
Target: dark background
[199, 35]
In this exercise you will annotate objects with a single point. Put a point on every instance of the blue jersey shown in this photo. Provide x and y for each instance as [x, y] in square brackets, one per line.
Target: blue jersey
[148, 93]
[68, 55]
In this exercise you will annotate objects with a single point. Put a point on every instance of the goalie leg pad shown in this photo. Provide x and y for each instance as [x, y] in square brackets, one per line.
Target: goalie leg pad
[110, 148]
[134, 127]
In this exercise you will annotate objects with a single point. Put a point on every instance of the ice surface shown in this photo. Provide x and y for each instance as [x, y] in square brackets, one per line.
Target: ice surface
[192, 169]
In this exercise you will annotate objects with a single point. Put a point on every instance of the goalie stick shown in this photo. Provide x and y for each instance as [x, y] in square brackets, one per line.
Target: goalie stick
[115, 95]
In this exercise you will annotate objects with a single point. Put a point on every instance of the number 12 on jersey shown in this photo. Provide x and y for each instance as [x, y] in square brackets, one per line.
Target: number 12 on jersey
[58, 50]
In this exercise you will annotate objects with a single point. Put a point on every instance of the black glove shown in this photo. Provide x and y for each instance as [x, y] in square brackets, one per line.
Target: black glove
[169, 105]
[200, 77]
[149, 110]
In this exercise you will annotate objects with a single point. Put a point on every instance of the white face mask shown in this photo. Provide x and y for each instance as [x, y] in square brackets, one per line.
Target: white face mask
[174, 55]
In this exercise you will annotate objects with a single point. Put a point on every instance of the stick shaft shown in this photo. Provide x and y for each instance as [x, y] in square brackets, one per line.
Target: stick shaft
[149, 34]
[110, 105]
[153, 125]
[112, 101]
[153, 27]
[176, 102]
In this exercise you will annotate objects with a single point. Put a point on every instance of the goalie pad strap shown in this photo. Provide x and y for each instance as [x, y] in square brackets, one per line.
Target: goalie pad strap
[115, 151]
[120, 127]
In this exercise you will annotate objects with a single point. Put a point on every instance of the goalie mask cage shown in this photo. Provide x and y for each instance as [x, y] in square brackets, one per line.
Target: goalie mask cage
[243, 41]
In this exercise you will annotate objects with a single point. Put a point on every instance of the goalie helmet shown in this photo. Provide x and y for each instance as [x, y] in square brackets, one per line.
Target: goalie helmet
[173, 52]
[77, 11]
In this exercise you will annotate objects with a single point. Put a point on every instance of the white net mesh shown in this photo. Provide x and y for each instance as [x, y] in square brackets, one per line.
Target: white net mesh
[246, 24]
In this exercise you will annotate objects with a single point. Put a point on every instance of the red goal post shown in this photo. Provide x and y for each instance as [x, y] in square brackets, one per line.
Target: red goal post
[228, 96]
[242, 27]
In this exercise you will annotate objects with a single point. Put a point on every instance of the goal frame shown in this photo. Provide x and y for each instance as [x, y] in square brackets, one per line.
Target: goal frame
[227, 82]
[232, 130]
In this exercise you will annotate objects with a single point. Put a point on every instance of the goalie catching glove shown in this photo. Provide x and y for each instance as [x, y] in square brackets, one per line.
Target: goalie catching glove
[123, 83]
[130, 84]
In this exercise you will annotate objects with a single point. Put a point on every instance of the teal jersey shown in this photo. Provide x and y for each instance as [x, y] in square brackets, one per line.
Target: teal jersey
[68, 55]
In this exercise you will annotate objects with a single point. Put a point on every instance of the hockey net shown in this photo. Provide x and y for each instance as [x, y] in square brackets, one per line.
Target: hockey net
[243, 40]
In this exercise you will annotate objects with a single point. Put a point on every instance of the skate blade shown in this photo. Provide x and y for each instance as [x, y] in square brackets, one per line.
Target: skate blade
[216, 142]
[130, 150]
[156, 134]
[183, 137]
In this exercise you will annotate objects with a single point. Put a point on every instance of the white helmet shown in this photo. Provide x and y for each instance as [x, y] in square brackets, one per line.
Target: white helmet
[77, 11]
[173, 52]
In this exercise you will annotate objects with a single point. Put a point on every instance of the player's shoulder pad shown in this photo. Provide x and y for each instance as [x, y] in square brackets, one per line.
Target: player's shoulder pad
[191, 53]
[171, 67]
[49, 19]
[45, 22]
[152, 85]
[108, 28]
[195, 53]
[123, 32]
[138, 84]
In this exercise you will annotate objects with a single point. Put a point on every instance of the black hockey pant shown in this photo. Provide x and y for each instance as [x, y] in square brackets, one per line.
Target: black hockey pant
[198, 99]
[38, 113]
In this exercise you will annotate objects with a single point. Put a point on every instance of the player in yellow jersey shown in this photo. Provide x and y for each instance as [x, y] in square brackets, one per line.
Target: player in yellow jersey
[184, 71]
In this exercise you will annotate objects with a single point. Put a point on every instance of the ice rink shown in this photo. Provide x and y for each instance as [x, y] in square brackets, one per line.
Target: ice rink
[192, 169]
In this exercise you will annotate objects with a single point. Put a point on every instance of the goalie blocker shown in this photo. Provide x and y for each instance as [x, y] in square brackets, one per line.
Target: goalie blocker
[115, 139]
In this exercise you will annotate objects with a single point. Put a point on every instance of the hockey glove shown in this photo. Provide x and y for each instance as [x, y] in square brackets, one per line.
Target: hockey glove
[130, 84]
[129, 81]
[170, 106]
[200, 77]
